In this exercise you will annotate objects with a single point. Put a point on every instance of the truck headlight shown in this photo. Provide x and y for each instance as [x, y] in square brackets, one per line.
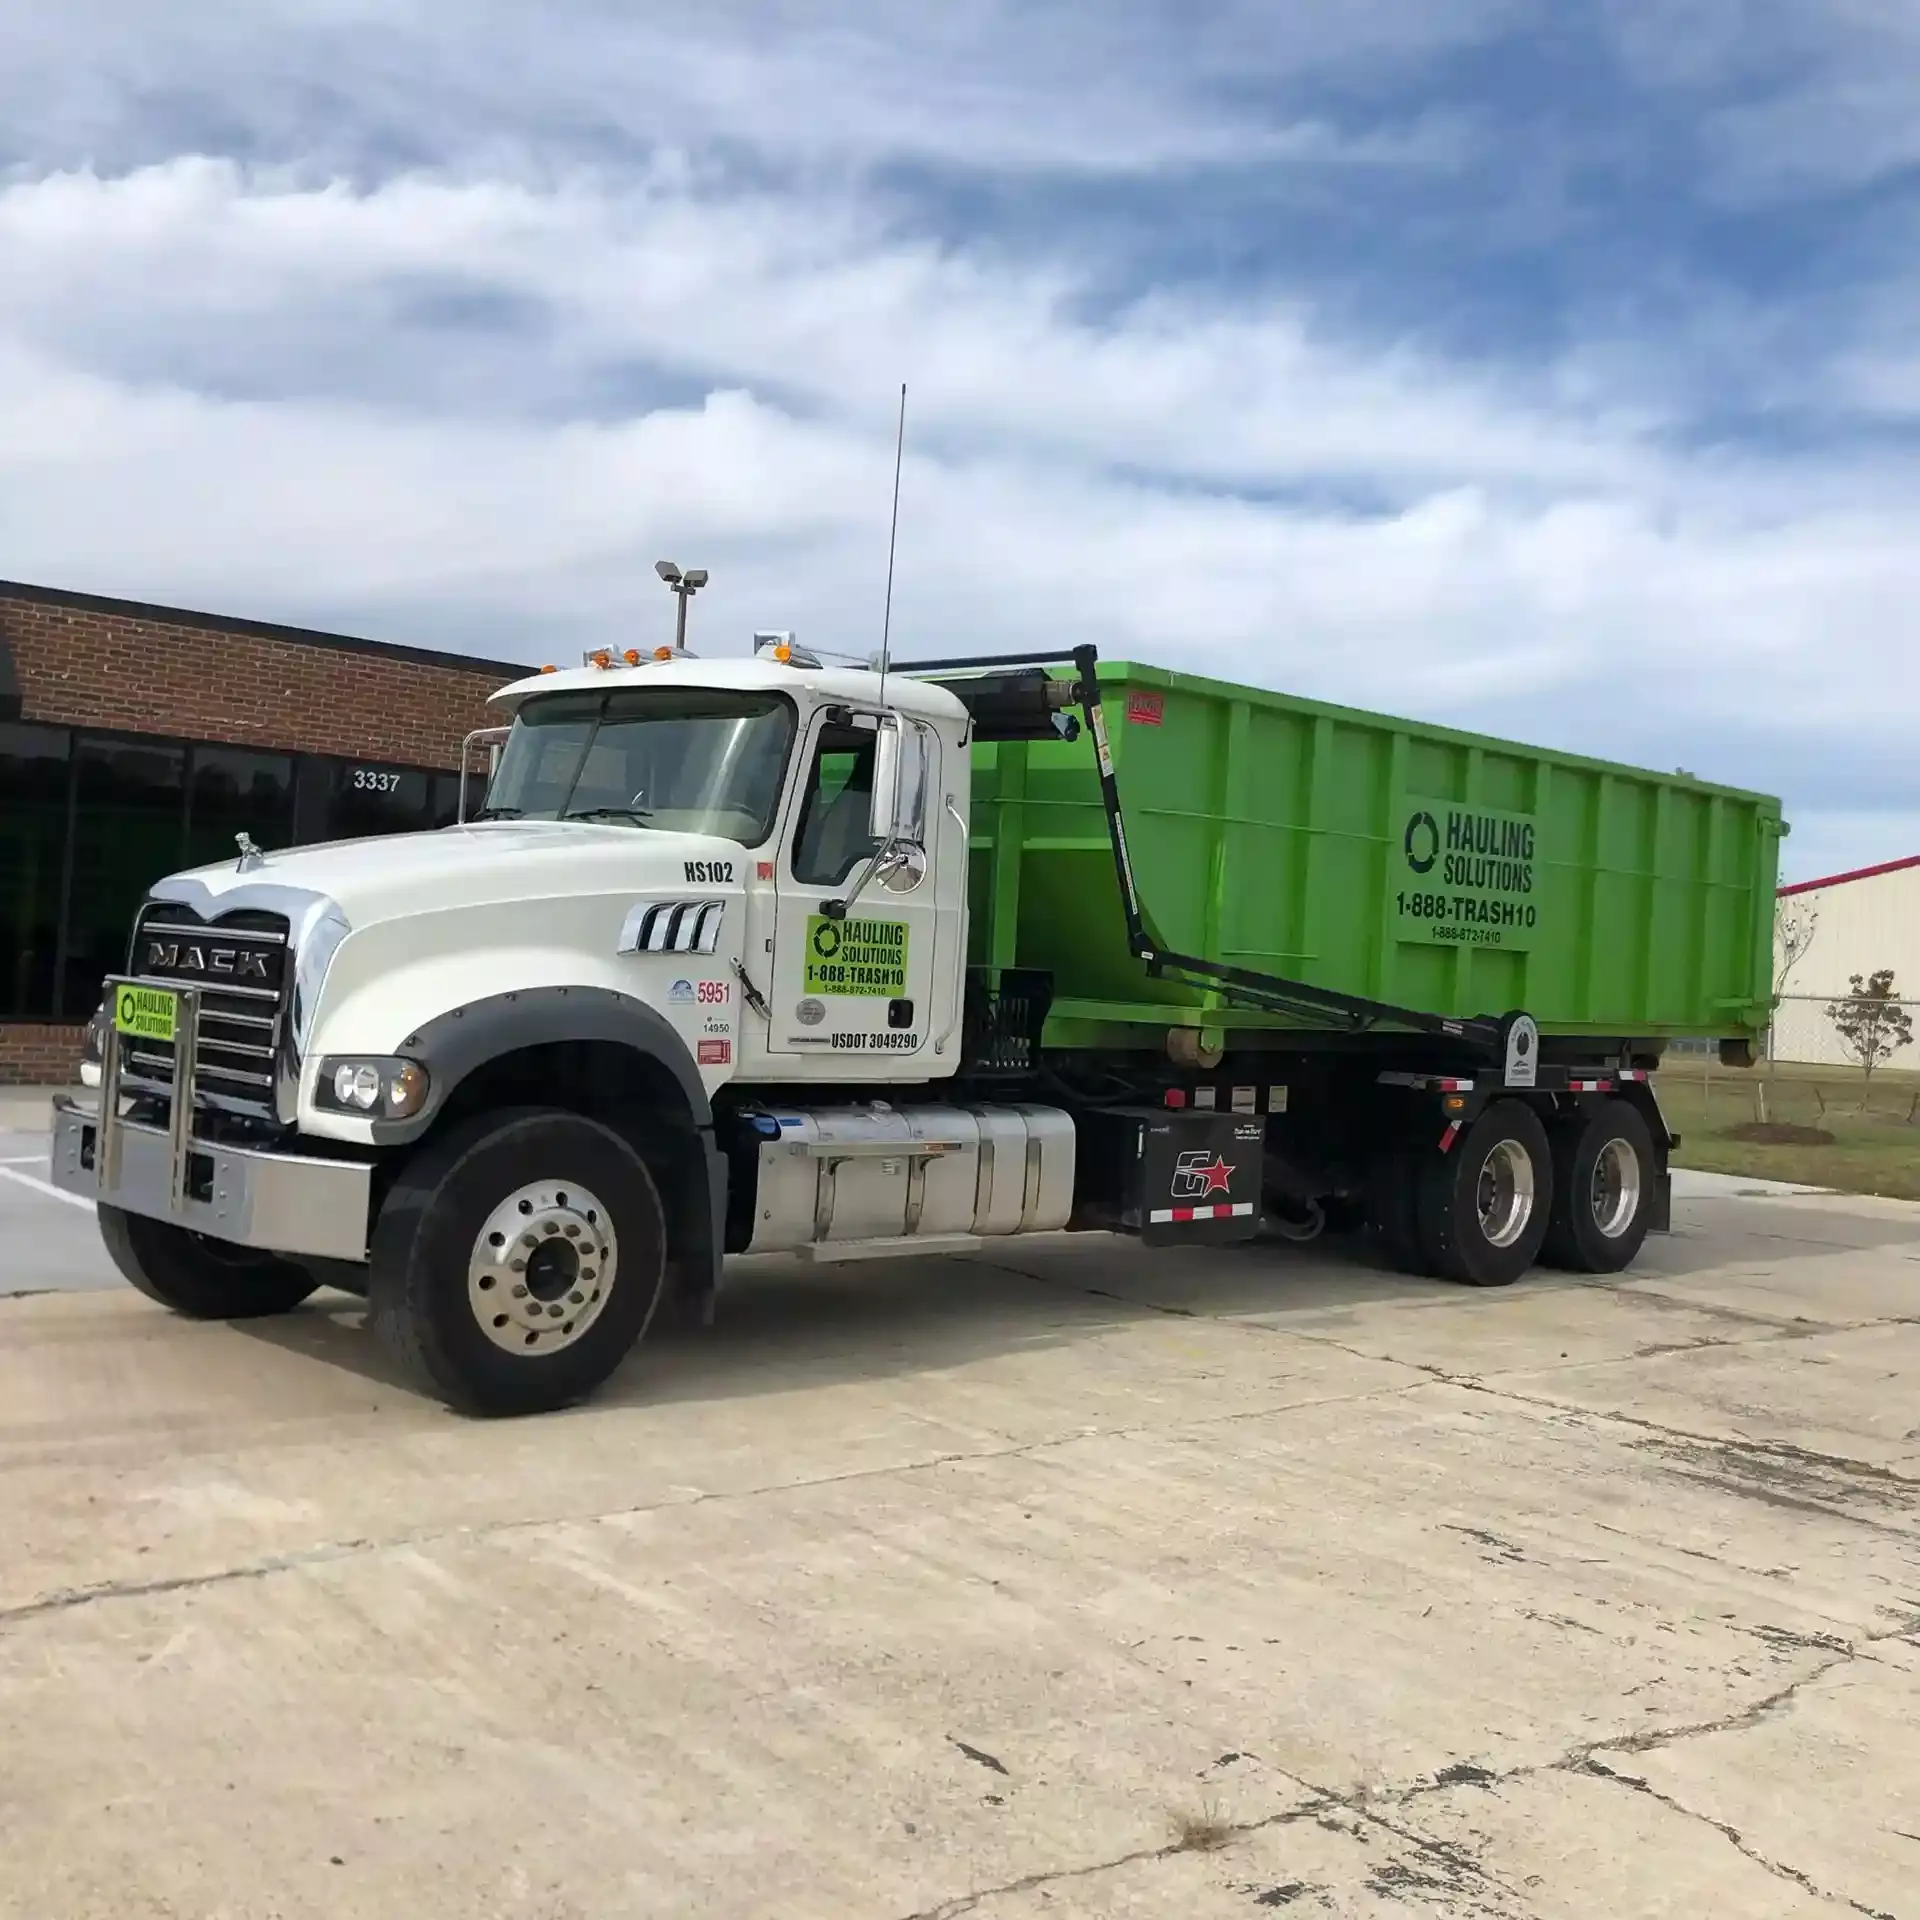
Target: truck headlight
[393, 1089]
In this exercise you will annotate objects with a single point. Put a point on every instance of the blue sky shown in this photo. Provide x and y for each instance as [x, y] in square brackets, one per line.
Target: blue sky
[1548, 369]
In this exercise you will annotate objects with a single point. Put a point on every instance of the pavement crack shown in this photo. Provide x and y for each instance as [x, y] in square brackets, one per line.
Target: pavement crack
[964, 1903]
[66, 1599]
[1734, 1838]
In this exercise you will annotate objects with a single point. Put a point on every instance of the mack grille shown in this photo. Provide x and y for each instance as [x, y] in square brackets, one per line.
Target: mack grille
[239, 965]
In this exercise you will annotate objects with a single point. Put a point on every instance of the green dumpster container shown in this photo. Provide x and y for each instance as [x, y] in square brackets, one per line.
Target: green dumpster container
[1408, 864]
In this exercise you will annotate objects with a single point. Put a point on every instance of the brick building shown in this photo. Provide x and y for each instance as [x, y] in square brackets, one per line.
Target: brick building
[135, 740]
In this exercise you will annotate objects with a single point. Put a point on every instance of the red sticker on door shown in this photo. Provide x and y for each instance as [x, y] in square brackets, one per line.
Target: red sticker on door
[716, 1053]
[1146, 709]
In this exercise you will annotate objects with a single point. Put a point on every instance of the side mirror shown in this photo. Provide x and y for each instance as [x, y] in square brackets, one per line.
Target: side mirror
[899, 784]
[888, 754]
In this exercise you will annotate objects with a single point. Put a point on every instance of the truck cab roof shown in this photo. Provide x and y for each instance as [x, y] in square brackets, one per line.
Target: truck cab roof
[855, 685]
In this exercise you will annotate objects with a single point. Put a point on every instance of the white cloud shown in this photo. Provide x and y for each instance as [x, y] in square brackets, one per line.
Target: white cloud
[1134, 87]
[1798, 99]
[798, 294]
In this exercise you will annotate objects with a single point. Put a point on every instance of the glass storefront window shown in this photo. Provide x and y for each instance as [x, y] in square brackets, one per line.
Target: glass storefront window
[129, 828]
[236, 790]
[34, 765]
[88, 822]
[446, 795]
[367, 799]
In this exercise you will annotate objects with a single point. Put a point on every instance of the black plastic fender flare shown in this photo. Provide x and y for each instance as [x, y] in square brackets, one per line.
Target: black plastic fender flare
[460, 1041]
[457, 1043]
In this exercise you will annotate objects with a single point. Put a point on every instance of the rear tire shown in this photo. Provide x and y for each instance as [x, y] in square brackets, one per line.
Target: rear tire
[1483, 1205]
[200, 1278]
[517, 1260]
[1393, 1223]
[1603, 1188]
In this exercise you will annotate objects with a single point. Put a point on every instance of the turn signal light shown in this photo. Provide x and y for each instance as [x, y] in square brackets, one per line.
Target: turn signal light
[1453, 1103]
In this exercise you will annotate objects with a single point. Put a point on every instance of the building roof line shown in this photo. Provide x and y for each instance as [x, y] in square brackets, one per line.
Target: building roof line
[256, 629]
[1858, 873]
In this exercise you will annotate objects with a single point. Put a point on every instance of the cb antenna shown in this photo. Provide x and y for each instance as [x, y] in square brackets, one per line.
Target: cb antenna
[893, 541]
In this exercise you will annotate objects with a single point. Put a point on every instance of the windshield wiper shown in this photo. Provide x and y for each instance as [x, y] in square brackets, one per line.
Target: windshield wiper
[638, 815]
[500, 813]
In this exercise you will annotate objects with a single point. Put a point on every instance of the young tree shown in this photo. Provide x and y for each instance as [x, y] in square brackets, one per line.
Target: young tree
[1795, 923]
[1872, 1024]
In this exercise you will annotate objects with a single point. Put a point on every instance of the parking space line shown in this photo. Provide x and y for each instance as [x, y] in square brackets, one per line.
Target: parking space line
[46, 1186]
[25, 1160]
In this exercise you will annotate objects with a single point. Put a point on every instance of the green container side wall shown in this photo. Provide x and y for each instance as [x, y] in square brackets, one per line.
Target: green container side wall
[1265, 833]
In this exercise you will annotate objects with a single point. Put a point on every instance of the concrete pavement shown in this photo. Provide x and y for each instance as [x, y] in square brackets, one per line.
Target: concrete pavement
[1000, 1586]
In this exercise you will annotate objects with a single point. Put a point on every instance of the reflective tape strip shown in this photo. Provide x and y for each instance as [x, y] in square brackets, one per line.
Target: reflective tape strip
[1161, 1216]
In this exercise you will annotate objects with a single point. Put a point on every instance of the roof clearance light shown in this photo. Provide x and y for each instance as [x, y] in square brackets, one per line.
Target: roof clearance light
[784, 654]
[663, 653]
[631, 656]
[549, 669]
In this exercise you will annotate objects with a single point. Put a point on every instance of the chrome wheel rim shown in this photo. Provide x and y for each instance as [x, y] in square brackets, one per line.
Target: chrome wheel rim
[1615, 1191]
[1505, 1193]
[542, 1268]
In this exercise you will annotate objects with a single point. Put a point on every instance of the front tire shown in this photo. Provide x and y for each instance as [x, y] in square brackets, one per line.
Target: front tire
[200, 1278]
[1483, 1204]
[1603, 1185]
[517, 1260]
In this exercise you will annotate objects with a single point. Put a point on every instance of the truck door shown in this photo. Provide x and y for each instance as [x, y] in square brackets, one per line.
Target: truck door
[861, 985]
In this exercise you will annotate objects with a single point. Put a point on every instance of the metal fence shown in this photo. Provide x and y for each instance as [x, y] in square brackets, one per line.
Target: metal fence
[1801, 1033]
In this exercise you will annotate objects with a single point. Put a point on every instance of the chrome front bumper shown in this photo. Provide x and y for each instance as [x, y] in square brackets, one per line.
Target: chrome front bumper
[250, 1197]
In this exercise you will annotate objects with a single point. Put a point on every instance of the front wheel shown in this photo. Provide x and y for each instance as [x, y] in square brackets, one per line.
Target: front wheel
[201, 1278]
[1603, 1183]
[1483, 1204]
[517, 1260]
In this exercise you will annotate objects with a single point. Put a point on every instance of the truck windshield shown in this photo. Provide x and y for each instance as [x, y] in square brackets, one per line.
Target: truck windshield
[675, 759]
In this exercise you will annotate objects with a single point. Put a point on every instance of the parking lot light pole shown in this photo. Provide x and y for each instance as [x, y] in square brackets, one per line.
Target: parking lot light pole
[683, 586]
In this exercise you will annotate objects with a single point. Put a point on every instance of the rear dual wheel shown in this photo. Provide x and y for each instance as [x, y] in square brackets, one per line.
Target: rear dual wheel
[1603, 1184]
[1481, 1207]
[1509, 1193]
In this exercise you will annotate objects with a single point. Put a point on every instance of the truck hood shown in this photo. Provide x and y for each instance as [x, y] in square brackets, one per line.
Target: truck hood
[412, 873]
